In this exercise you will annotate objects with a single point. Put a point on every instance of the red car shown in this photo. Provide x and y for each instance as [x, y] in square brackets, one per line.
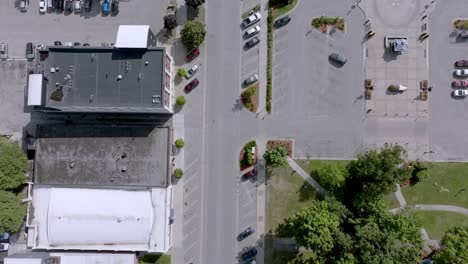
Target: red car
[459, 83]
[249, 174]
[192, 54]
[461, 63]
[191, 85]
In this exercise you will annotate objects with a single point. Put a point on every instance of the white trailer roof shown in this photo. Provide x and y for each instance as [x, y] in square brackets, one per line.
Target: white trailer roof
[132, 36]
[35, 89]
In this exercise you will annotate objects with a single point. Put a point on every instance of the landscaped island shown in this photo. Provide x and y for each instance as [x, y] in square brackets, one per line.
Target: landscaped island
[321, 23]
[461, 24]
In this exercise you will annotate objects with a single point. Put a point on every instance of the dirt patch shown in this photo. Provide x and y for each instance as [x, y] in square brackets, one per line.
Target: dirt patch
[288, 144]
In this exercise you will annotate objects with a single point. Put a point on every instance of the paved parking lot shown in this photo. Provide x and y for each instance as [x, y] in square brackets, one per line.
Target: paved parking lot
[448, 119]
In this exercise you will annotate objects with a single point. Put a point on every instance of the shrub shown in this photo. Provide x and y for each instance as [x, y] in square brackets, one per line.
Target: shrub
[252, 90]
[180, 100]
[179, 143]
[178, 173]
[276, 157]
[419, 171]
[181, 72]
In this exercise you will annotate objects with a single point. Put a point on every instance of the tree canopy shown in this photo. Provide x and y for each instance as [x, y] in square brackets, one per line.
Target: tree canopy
[454, 246]
[12, 212]
[13, 165]
[330, 176]
[194, 3]
[193, 34]
[276, 157]
[170, 21]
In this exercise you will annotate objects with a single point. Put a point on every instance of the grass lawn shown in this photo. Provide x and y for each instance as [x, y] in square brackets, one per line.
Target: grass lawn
[155, 259]
[390, 201]
[436, 222]
[444, 182]
[310, 165]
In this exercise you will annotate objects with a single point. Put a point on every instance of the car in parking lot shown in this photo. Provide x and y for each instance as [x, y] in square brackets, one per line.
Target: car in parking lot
[4, 237]
[460, 93]
[338, 58]
[105, 7]
[194, 69]
[246, 233]
[24, 5]
[42, 6]
[252, 31]
[461, 72]
[191, 85]
[191, 55]
[4, 246]
[30, 51]
[68, 5]
[77, 6]
[252, 79]
[249, 174]
[282, 21]
[59, 5]
[459, 83]
[88, 4]
[252, 19]
[57, 43]
[249, 254]
[51, 4]
[115, 7]
[3, 51]
[461, 63]
[252, 42]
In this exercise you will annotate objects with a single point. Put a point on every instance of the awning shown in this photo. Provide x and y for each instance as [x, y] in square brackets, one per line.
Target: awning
[35, 89]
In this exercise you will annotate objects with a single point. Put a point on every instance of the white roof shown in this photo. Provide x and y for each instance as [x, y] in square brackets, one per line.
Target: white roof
[35, 89]
[132, 36]
[8, 260]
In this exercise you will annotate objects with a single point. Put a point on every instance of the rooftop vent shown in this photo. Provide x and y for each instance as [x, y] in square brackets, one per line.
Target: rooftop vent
[156, 99]
[91, 98]
[146, 63]
[119, 77]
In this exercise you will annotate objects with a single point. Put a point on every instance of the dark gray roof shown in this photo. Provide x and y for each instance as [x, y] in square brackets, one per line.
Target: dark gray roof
[88, 79]
[102, 156]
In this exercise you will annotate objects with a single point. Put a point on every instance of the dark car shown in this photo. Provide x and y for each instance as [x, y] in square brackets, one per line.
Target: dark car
[192, 54]
[87, 5]
[29, 51]
[115, 7]
[86, 44]
[68, 6]
[76, 44]
[4, 237]
[254, 41]
[246, 233]
[249, 254]
[282, 21]
[461, 63]
[249, 174]
[57, 43]
[191, 85]
[59, 5]
[338, 58]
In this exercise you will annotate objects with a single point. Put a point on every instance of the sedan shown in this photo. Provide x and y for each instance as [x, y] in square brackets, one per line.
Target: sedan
[252, 79]
[29, 51]
[461, 72]
[3, 51]
[77, 6]
[4, 246]
[191, 85]
[191, 71]
[105, 7]
[338, 58]
[57, 43]
[252, 31]
[461, 63]
[4, 237]
[59, 5]
[115, 7]
[282, 22]
[246, 233]
[460, 93]
[42, 6]
[192, 55]
[459, 83]
[249, 254]
[68, 5]
[252, 19]
[87, 5]
[249, 174]
[252, 42]
[24, 5]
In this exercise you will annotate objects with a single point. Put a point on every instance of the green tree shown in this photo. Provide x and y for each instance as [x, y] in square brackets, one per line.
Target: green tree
[193, 34]
[12, 212]
[170, 21]
[330, 176]
[280, 2]
[179, 143]
[454, 246]
[13, 165]
[276, 157]
[180, 100]
[181, 72]
[419, 171]
[194, 3]
[178, 173]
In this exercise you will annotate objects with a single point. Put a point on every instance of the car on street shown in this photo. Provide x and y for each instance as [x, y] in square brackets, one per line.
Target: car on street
[282, 21]
[4, 237]
[252, 42]
[30, 49]
[191, 85]
[252, 31]
[4, 246]
[246, 233]
[461, 63]
[252, 79]
[24, 5]
[249, 174]
[105, 7]
[338, 58]
[459, 83]
[77, 6]
[461, 72]
[252, 19]
[3, 51]
[88, 4]
[249, 254]
[460, 93]
[115, 7]
[191, 55]
[194, 69]
[42, 6]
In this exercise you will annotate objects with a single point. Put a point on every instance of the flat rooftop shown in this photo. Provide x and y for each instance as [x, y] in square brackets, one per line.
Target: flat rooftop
[104, 79]
[102, 156]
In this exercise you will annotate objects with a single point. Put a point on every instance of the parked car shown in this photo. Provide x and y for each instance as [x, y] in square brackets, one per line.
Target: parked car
[254, 41]
[463, 34]
[252, 19]
[30, 51]
[86, 45]
[246, 233]
[282, 21]
[460, 93]
[191, 85]
[88, 4]
[461, 63]
[397, 88]
[57, 43]
[192, 71]
[191, 55]
[76, 44]
[42, 6]
[24, 5]
[77, 6]
[459, 83]
[59, 5]
[3, 51]
[4, 237]
[249, 254]
[4, 246]
[461, 72]
[338, 58]
[252, 31]
[105, 7]
[249, 174]
[115, 7]
[68, 5]
[251, 79]
[51, 4]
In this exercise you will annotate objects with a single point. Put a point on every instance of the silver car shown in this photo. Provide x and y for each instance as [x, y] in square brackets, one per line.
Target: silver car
[191, 71]
[252, 31]
[460, 93]
[252, 19]
[251, 79]
[3, 51]
[461, 72]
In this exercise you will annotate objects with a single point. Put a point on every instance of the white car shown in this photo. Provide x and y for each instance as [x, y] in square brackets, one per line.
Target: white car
[252, 19]
[4, 246]
[42, 6]
[191, 71]
[50, 5]
[460, 92]
[461, 72]
[77, 6]
[24, 5]
[3, 51]
[252, 31]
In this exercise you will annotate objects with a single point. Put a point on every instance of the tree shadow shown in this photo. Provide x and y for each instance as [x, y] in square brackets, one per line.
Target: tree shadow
[192, 13]
[306, 192]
